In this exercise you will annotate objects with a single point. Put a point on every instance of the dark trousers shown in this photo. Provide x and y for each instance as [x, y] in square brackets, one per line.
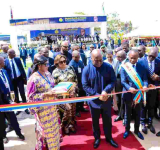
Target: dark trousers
[24, 61]
[121, 106]
[12, 119]
[18, 85]
[79, 105]
[1, 144]
[151, 100]
[157, 103]
[107, 123]
[136, 110]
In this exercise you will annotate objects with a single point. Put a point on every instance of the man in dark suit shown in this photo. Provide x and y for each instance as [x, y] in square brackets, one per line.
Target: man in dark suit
[121, 57]
[5, 89]
[44, 51]
[98, 78]
[78, 66]
[129, 85]
[82, 55]
[23, 55]
[152, 67]
[15, 70]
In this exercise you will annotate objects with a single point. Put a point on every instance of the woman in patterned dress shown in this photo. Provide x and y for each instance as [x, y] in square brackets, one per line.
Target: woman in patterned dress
[39, 89]
[65, 73]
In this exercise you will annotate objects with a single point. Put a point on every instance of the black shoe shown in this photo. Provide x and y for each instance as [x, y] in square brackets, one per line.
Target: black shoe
[78, 114]
[126, 134]
[96, 143]
[112, 143]
[158, 134]
[17, 113]
[84, 110]
[117, 119]
[5, 140]
[9, 129]
[27, 111]
[144, 129]
[152, 129]
[21, 137]
[139, 134]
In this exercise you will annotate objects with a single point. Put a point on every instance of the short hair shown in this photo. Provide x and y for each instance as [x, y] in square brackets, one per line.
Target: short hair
[134, 50]
[57, 59]
[109, 52]
[40, 48]
[125, 43]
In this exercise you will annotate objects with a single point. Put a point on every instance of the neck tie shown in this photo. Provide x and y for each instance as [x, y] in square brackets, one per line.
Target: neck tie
[119, 67]
[4, 79]
[150, 69]
[134, 67]
[14, 70]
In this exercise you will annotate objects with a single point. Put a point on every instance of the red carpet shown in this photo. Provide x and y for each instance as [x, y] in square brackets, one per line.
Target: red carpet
[83, 139]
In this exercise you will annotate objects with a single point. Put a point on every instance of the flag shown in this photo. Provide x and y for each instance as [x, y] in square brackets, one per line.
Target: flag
[103, 8]
[11, 13]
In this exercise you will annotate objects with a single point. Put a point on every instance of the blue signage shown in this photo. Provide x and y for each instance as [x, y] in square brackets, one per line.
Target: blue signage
[16, 22]
[74, 31]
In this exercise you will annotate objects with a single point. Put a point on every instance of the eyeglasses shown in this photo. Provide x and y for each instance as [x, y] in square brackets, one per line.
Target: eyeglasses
[151, 56]
[62, 62]
[46, 64]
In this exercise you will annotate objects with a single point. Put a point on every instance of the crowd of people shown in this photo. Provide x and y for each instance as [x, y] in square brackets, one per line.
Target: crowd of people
[94, 71]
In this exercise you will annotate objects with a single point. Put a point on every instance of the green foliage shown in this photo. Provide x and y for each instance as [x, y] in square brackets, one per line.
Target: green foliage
[80, 13]
[115, 25]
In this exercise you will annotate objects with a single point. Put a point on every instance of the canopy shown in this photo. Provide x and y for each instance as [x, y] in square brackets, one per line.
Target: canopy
[58, 22]
[151, 30]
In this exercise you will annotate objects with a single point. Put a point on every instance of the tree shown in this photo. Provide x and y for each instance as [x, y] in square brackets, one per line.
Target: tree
[115, 25]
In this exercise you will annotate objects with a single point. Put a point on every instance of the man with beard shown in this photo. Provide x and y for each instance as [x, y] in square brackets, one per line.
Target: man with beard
[64, 51]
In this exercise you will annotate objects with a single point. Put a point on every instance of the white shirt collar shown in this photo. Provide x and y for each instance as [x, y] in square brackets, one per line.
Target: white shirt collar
[149, 61]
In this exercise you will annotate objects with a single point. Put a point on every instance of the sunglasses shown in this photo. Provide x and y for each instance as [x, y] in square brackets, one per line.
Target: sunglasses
[65, 46]
[62, 62]
[151, 56]
[46, 64]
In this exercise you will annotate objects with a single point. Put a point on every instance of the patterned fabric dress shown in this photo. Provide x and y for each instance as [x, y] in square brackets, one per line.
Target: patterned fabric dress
[68, 110]
[47, 126]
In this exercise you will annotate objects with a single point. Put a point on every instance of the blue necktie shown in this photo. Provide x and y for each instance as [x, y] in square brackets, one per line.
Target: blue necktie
[134, 67]
[14, 70]
[150, 69]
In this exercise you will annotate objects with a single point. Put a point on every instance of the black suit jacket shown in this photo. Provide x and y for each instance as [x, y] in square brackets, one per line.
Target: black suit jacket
[51, 65]
[20, 67]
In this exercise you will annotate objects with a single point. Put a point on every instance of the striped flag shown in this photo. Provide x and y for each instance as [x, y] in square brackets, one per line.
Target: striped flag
[11, 12]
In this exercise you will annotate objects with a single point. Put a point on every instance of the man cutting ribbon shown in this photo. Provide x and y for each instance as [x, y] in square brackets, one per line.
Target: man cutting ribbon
[133, 77]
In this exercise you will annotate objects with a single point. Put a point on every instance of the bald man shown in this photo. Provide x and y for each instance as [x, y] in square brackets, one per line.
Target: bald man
[122, 58]
[78, 66]
[64, 51]
[4, 54]
[152, 66]
[98, 78]
[129, 84]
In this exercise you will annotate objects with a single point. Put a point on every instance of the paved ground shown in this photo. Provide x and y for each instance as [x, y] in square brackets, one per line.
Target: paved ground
[27, 122]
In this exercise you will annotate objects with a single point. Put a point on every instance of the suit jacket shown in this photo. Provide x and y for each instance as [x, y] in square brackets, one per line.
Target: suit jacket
[127, 83]
[144, 62]
[23, 55]
[95, 80]
[19, 65]
[51, 65]
[84, 59]
[3, 90]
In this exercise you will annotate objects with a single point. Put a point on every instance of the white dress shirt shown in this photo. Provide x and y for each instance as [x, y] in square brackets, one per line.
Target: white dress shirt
[16, 68]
